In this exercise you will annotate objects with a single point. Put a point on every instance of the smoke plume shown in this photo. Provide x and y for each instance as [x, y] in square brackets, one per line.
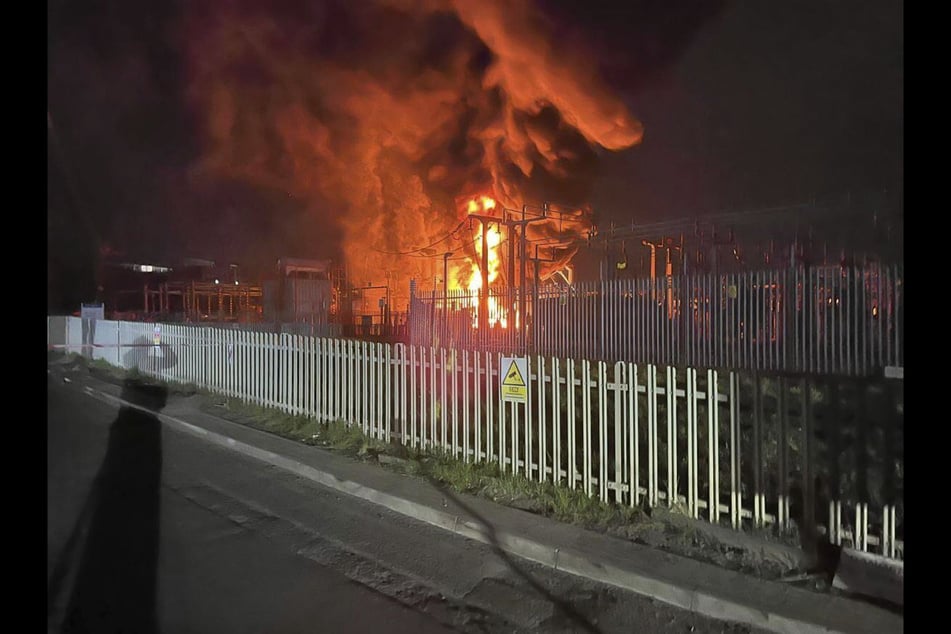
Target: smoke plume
[388, 115]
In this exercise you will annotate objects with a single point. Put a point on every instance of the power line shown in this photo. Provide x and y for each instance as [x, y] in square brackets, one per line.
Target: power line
[429, 246]
[440, 255]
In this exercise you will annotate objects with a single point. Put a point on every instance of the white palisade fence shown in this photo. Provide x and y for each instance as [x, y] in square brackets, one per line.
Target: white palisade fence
[627, 433]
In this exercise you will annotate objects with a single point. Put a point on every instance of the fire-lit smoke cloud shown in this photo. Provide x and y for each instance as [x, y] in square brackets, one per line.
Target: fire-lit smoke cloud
[387, 115]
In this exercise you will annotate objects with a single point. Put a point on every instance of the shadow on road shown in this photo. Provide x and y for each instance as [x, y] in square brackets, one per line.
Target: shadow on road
[564, 607]
[114, 588]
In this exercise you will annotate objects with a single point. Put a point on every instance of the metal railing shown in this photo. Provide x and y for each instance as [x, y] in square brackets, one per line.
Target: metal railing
[824, 320]
[731, 448]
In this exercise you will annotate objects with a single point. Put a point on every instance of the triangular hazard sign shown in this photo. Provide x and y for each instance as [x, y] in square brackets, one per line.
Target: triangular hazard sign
[513, 377]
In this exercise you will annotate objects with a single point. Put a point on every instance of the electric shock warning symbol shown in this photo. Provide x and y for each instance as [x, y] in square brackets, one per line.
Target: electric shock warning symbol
[514, 386]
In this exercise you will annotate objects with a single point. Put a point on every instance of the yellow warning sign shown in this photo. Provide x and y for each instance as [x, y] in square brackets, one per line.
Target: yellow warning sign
[514, 384]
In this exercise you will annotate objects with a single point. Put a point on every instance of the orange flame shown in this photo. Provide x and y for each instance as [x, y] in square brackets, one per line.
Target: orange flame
[481, 203]
[358, 137]
[493, 238]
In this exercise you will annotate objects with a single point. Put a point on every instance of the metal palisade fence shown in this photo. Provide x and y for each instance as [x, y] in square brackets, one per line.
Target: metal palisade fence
[711, 445]
[830, 320]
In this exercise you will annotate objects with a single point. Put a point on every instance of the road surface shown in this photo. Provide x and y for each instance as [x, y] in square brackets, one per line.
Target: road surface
[163, 532]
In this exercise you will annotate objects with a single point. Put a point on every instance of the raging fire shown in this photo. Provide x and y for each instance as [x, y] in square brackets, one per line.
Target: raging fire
[371, 132]
[493, 238]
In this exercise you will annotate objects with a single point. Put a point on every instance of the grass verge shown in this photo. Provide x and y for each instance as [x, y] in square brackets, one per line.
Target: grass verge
[660, 529]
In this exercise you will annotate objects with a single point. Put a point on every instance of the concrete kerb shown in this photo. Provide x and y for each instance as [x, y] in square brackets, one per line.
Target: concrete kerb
[563, 558]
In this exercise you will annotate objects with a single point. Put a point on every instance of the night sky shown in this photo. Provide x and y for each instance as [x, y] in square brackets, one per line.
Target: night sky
[743, 105]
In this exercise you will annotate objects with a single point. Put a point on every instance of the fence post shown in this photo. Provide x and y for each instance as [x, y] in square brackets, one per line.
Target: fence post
[602, 347]
[713, 446]
[808, 487]
[736, 493]
[757, 452]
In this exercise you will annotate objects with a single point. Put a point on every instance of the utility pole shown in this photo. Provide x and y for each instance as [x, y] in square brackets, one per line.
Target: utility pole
[523, 255]
[484, 269]
[510, 275]
[445, 294]
[445, 276]
[515, 228]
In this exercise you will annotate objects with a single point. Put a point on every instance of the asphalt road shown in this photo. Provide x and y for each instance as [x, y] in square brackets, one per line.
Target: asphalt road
[159, 531]
[192, 570]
